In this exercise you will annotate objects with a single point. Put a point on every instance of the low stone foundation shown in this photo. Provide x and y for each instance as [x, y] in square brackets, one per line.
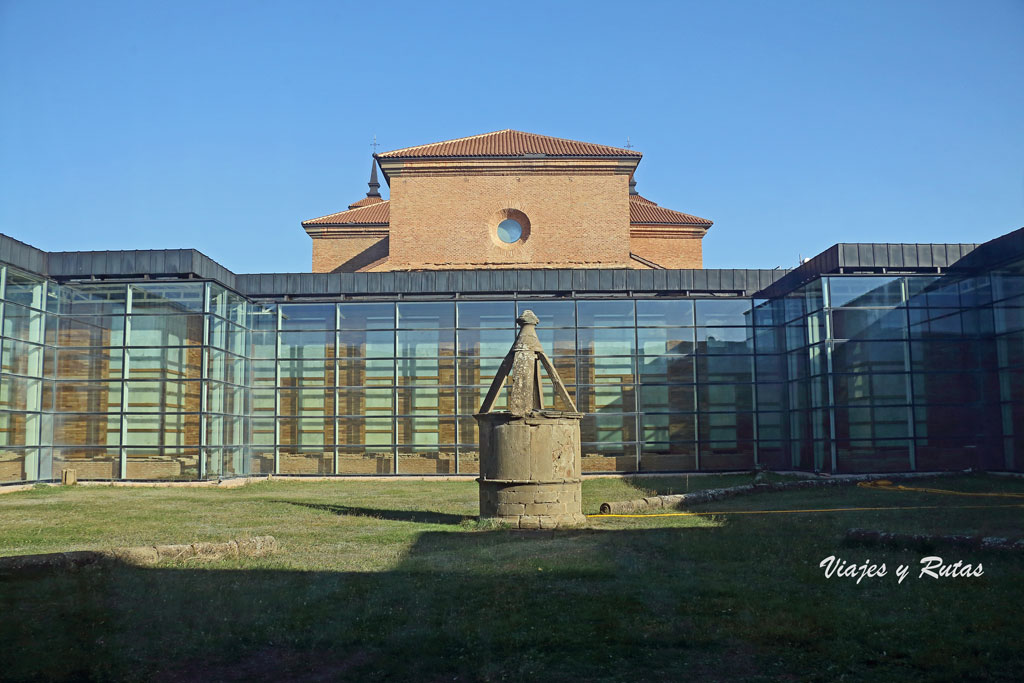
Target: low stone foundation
[533, 505]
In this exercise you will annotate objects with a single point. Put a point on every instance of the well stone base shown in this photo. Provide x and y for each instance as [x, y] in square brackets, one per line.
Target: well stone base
[542, 505]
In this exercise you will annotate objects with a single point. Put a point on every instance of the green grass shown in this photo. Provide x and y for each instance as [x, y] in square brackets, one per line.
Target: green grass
[392, 579]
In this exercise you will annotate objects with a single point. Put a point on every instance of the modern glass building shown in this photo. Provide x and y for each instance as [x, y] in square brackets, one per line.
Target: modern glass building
[164, 365]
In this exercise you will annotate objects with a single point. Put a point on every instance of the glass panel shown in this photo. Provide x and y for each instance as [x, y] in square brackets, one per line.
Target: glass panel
[225, 430]
[367, 316]
[86, 430]
[368, 402]
[725, 397]
[666, 340]
[366, 344]
[24, 323]
[228, 305]
[663, 457]
[606, 342]
[263, 373]
[226, 336]
[495, 343]
[162, 463]
[160, 397]
[611, 398]
[608, 428]
[264, 344]
[667, 398]
[165, 330]
[606, 370]
[263, 318]
[614, 313]
[371, 431]
[297, 373]
[369, 373]
[725, 340]
[486, 314]
[868, 356]
[421, 315]
[182, 363]
[426, 371]
[305, 460]
[94, 299]
[90, 331]
[666, 368]
[426, 460]
[167, 297]
[307, 344]
[551, 313]
[306, 402]
[88, 463]
[869, 324]
[422, 343]
[166, 429]
[225, 398]
[424, 431]
[664, 312]
[723, 312]
[365, 461]
[87, 364]
[429, 400]
[87, 397]
[20, 358]
[24, 289]
[307, 316]
[661, 428]
[725, 368]
[296, 431]
[263, 401]
[862, 292]
[556, 341]
[263, 432]
[225, 367]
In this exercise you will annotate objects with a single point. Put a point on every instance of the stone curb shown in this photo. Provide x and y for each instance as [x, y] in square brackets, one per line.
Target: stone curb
[709, 495]
[258, 546]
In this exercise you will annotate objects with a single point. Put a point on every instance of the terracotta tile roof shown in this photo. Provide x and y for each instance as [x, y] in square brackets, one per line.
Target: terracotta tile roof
[508, 143]
[645, 212]
[365, 201]
[378, 213]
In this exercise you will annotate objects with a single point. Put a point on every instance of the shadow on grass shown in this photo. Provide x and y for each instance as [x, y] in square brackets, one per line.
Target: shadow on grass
[418, 516]
[621, 605]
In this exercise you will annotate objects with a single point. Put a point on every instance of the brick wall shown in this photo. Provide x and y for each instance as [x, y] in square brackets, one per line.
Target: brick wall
[449, 221]
[682, 252]
[347, 254]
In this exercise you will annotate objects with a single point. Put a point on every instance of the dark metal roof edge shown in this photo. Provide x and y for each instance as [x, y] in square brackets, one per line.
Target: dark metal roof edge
[22, 255]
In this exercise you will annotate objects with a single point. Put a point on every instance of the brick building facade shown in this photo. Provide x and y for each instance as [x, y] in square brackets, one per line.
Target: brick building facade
[506, 200]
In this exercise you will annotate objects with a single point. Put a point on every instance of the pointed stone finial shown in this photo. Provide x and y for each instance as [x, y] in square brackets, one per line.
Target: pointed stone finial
[632, 185]
[527, 318]
[374, 185]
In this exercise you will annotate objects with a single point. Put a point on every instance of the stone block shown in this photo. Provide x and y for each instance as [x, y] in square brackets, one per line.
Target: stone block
[529, 522]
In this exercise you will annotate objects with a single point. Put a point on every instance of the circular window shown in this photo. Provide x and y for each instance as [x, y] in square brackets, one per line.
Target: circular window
[510, 230]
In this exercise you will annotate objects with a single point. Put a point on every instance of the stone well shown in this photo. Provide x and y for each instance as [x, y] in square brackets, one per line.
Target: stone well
[529, 455]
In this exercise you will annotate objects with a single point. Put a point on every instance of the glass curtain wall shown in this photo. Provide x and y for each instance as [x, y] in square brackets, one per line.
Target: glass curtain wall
[26, 366]
[170, 380]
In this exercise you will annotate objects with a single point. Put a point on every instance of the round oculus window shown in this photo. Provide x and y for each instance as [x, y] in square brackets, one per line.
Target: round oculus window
[510, 231]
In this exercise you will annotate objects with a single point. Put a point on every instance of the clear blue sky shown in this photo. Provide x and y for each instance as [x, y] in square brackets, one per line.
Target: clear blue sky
[793, 125]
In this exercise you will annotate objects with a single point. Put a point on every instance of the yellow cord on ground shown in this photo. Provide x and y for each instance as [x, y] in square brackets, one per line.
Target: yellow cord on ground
[779, 512]
[886, 485]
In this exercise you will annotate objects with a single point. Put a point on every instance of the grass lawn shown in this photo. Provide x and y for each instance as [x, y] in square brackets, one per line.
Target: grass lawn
[393, 579]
